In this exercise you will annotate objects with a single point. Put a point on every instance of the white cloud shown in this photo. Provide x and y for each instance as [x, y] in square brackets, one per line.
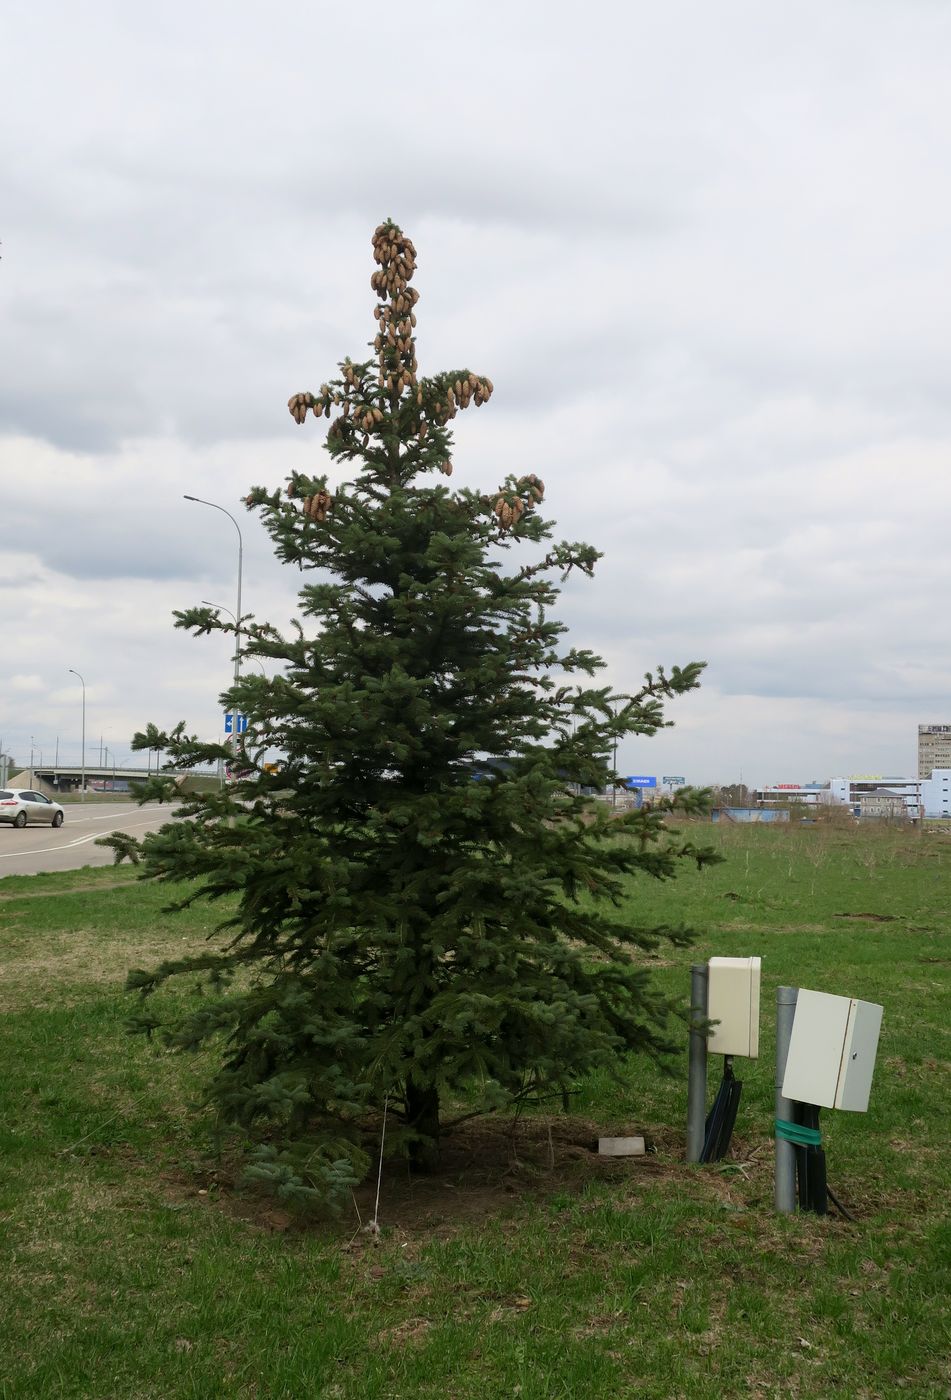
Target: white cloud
[700, 250]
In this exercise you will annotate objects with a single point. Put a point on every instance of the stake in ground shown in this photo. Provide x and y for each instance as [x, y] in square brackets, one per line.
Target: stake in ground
[427, 915]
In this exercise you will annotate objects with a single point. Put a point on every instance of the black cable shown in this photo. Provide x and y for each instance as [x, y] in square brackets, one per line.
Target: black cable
[722, 1116]
[818, 1189]
[802, 1161]
[813, 1190]
[839, 1206]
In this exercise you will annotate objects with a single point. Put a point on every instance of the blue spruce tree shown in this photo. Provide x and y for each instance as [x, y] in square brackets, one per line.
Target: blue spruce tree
[423, 908]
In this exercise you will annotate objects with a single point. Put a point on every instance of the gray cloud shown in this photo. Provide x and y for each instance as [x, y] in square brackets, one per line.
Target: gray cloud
[701, 254]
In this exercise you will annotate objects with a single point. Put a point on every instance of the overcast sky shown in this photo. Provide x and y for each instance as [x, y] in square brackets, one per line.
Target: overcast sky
[701, 250]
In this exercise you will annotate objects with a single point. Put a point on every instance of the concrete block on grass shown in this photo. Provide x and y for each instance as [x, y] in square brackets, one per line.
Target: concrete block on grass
[621, 1147]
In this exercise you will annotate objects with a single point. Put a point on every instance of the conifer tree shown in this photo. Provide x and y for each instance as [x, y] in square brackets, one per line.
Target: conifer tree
[423, 907]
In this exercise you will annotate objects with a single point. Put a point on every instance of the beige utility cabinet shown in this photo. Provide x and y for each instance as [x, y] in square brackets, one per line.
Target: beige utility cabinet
[733, 1002]
[832, 1051]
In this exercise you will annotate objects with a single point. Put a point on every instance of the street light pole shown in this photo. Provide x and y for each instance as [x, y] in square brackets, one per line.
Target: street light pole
[83, 684]
[221, 608]
[237, 631]
[614, 761]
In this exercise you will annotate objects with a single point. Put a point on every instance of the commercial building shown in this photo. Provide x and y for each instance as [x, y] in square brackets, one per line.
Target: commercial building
[936, 793]
[865, 795]
[782, 794]
[879, 795]
[850, 792]
[934, 748]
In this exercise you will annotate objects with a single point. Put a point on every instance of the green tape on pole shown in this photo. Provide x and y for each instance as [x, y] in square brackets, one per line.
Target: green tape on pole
[796, 1133]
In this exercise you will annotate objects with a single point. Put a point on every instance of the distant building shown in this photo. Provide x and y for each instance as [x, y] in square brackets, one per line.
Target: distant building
[934, 748]
[869, 794]
[784, 794]
[936, 793]
[881, 804]
[850, 791]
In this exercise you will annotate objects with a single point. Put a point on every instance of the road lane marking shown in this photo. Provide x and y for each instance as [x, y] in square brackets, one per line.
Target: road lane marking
[67, 845]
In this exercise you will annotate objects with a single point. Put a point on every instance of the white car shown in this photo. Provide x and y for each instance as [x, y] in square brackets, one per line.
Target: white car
[21, 805]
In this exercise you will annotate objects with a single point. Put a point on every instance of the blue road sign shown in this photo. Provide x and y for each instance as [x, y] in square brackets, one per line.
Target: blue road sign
[639, 782]
[239, 728]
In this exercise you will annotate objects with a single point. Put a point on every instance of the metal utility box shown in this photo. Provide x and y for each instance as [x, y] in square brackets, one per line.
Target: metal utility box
[733, 1002]
[832, 1051]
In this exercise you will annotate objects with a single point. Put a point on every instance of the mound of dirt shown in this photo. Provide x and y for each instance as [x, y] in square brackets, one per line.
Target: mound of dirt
[486, 1166]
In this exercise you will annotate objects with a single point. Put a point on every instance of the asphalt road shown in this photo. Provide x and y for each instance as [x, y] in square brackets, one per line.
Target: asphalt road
[40, 848]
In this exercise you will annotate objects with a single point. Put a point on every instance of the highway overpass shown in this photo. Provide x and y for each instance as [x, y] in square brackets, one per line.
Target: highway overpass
[109, 777]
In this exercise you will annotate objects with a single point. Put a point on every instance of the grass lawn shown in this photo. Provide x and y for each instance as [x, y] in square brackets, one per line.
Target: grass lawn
[131, 1267]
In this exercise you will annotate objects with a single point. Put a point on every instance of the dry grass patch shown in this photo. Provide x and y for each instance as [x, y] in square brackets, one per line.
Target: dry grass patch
[77, 960]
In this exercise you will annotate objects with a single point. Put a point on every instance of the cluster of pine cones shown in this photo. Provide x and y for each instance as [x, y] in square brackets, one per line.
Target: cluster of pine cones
[533, 486]
[466, 389]
[438, 400]
[394, 342]
[317, 506]
[396, 255]
[509, 512]
[510, 507]
[300, 403]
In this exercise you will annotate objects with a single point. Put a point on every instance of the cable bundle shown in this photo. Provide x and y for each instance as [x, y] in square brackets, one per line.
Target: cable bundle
[722, 1116]
[813, 1188]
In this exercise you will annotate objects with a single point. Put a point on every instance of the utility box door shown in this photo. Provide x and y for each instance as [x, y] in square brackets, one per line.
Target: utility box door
[733, 1001]
[858, 1058]
[832, 1051]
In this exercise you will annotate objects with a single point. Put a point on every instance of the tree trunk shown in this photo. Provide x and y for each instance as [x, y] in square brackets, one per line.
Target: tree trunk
[422, 1114]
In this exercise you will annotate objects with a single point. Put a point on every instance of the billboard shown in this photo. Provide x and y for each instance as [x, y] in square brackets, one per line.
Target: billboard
[674, 782]
[639, 782]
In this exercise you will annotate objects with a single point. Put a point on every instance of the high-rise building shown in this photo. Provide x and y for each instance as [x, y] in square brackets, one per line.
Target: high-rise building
[934, 748]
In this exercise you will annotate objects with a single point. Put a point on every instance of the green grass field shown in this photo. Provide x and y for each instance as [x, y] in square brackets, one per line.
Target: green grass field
[132, 1268]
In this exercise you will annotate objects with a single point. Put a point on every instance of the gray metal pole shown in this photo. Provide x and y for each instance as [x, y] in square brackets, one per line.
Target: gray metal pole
[83, 684]
[785, 1178]
[697, 1066]
[237, 631]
